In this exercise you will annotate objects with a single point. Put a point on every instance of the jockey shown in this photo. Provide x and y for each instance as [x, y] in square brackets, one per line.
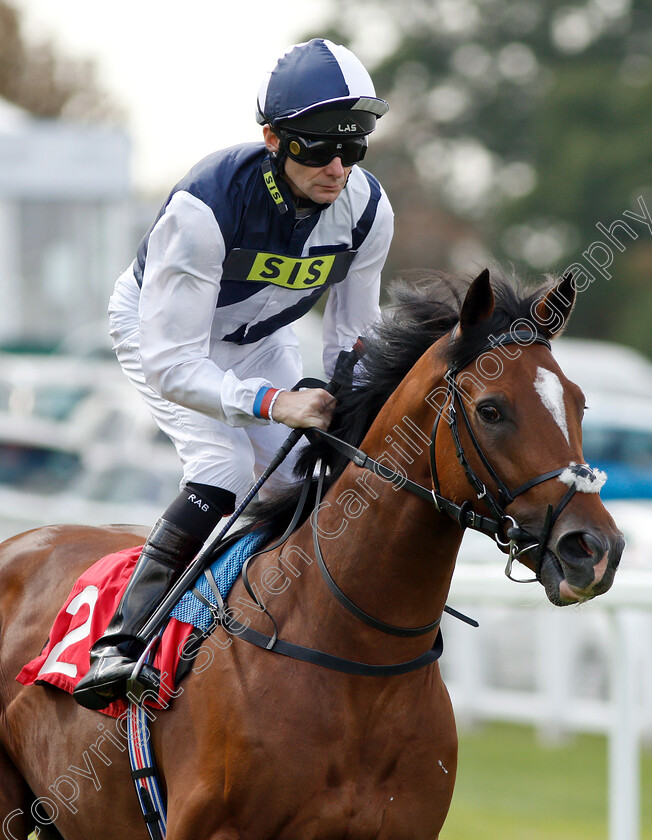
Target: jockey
[246, 243]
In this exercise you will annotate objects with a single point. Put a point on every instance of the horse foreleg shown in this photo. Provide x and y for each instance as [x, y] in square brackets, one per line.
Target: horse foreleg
[16, 800]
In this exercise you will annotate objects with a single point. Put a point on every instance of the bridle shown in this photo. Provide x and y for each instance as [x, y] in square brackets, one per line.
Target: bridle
[518, 540]
[499, 525]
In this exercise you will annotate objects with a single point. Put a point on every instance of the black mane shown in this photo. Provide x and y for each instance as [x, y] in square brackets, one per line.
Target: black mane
[423, 307]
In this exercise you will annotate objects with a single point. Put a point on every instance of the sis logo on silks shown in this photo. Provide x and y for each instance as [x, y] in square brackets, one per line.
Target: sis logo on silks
[298, 273]
[291, 272]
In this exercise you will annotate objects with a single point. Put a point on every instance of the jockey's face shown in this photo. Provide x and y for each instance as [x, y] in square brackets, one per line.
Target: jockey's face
[321, 184]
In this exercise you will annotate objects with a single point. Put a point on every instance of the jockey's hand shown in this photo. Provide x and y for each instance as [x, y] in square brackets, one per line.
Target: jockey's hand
[304, 409]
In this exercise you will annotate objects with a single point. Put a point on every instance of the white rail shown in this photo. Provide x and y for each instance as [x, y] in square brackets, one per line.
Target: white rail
[617, 627]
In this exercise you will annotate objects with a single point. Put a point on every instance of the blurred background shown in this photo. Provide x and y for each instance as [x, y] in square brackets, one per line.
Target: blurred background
[520, 134]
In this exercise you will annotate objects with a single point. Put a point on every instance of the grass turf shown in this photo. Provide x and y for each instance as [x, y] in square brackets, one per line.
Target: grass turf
[512, 787]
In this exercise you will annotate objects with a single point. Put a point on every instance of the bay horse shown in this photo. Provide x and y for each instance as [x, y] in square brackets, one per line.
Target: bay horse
[458, 394]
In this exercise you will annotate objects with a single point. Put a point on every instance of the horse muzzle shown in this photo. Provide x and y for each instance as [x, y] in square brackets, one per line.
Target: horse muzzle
[580, 564]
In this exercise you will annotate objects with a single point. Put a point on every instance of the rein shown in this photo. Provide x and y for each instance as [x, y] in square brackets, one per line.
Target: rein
[359, 613]
[316, 657]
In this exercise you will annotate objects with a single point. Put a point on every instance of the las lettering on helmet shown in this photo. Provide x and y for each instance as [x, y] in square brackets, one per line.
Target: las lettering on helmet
[320, 90]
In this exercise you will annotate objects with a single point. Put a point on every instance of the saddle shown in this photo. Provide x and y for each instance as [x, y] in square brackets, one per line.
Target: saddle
[86, 612]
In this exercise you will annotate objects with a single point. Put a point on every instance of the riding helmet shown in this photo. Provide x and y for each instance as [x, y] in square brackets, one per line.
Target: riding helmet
[320, 89]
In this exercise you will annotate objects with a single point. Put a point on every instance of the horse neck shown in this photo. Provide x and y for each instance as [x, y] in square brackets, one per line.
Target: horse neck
[388, 549]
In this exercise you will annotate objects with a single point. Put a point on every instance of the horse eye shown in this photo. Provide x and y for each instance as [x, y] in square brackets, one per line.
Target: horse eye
[489, 413]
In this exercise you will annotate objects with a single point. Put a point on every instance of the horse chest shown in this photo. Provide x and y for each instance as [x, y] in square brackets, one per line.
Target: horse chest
[311, 764]
[334, 776]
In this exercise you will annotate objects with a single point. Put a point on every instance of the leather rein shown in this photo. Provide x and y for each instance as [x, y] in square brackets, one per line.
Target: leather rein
[518, 541]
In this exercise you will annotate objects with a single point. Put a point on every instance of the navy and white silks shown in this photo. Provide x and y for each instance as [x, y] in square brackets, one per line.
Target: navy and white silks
[201, 321]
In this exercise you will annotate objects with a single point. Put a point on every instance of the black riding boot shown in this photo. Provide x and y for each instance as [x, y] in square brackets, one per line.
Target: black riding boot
[167, 552]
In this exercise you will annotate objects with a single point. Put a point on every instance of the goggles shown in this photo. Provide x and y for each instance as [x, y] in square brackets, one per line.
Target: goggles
[321, 152]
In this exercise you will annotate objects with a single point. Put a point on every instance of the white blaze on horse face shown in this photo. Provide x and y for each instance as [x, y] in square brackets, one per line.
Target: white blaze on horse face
[551, 391]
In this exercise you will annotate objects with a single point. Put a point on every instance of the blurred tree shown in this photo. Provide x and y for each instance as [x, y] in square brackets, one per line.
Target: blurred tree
[44, 83]
[519, 125]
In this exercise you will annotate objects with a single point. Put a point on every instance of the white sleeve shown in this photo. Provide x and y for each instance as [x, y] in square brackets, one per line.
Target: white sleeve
[177, 306]
[353, 304]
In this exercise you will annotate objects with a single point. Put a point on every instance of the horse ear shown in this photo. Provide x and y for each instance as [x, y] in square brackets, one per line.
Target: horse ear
[478, 303]
[554, 309]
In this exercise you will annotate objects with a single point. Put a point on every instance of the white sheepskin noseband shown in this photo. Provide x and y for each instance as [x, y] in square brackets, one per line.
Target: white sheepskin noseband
[585, 479]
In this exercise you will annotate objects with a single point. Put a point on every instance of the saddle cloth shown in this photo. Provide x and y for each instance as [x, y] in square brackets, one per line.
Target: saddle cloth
[90, 606]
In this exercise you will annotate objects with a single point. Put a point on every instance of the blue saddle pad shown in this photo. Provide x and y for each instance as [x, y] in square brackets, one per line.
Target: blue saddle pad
[225, 569]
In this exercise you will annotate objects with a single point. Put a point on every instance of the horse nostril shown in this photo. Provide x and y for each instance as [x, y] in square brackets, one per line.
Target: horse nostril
[587, 561]
[576, 547]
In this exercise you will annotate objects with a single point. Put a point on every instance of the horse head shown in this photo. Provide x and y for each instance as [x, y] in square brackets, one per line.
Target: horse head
[510, 445]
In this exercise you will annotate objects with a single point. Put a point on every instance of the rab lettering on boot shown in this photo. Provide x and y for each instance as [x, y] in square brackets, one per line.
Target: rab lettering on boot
[197, 501]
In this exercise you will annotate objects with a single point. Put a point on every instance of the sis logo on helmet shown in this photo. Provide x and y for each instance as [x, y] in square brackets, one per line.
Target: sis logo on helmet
[319, 88]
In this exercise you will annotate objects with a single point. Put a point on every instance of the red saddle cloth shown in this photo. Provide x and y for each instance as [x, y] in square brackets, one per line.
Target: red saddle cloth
[83, 619]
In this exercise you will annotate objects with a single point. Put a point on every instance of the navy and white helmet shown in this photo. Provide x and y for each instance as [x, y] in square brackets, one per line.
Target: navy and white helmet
[320, 89]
